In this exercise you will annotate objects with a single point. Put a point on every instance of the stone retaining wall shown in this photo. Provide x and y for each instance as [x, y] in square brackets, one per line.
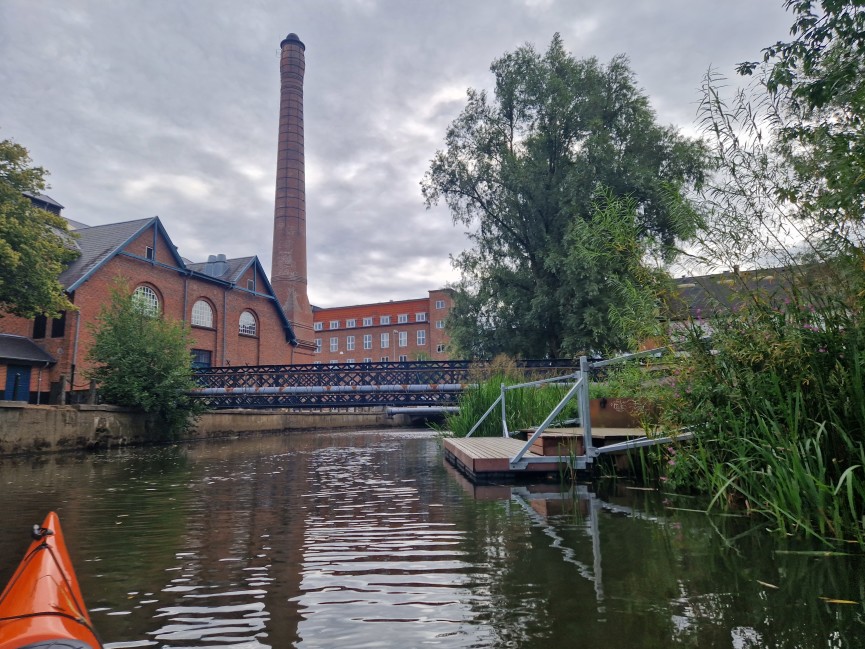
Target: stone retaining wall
[28, 429]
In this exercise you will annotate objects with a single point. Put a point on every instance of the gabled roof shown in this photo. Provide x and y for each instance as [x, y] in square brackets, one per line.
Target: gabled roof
[101, 243]
[23, 350]
[235, 268]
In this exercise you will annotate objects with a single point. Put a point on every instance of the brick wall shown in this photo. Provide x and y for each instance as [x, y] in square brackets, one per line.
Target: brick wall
[419, 315]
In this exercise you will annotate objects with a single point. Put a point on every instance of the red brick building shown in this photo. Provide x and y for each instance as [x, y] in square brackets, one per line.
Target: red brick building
[406, 330]
[234, 316]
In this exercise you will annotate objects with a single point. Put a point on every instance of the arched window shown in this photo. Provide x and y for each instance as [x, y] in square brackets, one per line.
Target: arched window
[146, 300]
[247, 324]
[202, 314]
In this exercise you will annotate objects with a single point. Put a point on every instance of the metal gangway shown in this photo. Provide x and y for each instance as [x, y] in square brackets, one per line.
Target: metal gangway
[579, 389]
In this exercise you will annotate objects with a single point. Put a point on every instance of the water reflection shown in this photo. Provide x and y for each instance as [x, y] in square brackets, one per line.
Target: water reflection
[370, 540]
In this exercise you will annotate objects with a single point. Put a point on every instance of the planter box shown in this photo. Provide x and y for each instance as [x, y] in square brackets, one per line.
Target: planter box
[615, 413]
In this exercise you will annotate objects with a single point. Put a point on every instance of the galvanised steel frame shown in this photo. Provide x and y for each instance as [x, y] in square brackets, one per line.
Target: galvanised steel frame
[579, 388]
[348, 385]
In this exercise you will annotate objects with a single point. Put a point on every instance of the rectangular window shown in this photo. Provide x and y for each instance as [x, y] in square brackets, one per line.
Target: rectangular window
[250, 285]
[403, 358]
[200, 358]
[318, 345]
[148, 254]
[367, 360]
[421, 337]
[367, 341]
[385, 341]
[40, 324]
[403, 339]
[385, 320]
[58, 326]
[440, 304]
[332, 362]
[349, 343]
[402, 318]
[420, 317]
[318, 326]
[440, 348]
[316, 362]
[349, 360]
[384, 359]
[350, 323]
[334, 324]
[367, 322]
[440, 324]
[334, 344]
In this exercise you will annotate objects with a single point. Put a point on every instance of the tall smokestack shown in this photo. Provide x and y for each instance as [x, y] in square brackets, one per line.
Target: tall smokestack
[288, 271]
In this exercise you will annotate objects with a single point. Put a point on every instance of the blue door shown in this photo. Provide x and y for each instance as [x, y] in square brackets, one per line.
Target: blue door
[17, 383]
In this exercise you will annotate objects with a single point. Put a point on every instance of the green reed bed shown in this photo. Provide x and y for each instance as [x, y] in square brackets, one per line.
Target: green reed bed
[525, 407]
[777, 406]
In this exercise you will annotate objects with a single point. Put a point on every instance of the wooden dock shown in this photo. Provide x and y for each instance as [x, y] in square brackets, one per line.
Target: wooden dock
[485, 459]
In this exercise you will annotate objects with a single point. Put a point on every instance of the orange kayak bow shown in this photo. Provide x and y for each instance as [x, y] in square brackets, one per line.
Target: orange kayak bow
[42, 606]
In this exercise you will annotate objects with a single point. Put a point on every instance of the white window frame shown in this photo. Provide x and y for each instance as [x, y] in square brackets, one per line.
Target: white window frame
[351, 323]
[440, 348]
[334, 344]
[367, 360]
[403, 339]
[440, 304]
[403, 358]
[385, 359]
[367, 341]
[146, 300]
[318, 345]
[402, 318]
[440, 324]
[385, 341]
[334, 324]
[420, 317]
[202, 314]
[421, 337]
[384, 319]
[318, 326]
[367, 322]
[349, 343]
[247, 326]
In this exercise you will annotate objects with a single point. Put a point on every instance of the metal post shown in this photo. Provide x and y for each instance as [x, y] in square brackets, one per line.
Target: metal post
[504, 413]
[585, 419]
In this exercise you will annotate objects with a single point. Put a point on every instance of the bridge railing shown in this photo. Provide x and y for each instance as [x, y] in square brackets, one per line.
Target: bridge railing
[412, 383]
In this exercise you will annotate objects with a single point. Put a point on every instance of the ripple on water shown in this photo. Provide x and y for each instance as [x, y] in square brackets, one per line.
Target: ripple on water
[386, 565]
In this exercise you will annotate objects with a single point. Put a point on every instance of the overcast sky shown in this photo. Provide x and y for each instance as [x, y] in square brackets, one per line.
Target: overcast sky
[170, 108]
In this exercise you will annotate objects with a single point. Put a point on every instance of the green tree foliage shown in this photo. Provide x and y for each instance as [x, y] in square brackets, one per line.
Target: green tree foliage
[143, 361]
[820, 77]
[522, 167]
[34, 244]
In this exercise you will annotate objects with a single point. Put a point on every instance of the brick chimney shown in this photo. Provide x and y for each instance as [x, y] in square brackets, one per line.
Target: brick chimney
[288, 270]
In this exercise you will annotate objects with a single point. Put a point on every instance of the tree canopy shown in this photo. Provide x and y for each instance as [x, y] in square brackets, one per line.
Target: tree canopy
[34, 244]
[819, 78]
[523, 168]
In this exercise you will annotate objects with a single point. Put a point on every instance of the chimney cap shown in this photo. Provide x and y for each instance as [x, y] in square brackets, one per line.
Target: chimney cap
[292, 38]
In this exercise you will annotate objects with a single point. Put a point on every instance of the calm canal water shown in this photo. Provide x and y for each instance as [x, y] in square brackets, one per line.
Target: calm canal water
[369, 540]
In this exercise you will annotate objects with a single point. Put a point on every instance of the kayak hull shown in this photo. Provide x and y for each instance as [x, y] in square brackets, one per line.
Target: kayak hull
[42, 605]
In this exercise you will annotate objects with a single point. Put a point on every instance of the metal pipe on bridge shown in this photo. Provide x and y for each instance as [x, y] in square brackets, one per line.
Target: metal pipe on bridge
[334, 389]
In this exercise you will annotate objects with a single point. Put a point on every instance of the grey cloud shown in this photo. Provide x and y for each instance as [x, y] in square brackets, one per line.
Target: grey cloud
[171, 108]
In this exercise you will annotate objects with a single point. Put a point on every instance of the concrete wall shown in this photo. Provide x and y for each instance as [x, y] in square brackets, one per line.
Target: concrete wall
[26, 429]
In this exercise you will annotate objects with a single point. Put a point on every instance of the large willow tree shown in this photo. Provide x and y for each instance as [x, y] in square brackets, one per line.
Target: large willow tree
[525, 166]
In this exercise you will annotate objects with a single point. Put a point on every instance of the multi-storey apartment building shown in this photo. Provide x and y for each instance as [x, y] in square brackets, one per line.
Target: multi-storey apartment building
[404, 330]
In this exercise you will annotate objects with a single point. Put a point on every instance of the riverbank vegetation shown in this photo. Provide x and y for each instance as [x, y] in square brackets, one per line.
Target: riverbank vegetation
[142, 360]
[769, 365]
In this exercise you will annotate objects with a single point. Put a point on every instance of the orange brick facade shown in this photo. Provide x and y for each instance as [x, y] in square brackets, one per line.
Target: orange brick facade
[406, 330]
[150, 260]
